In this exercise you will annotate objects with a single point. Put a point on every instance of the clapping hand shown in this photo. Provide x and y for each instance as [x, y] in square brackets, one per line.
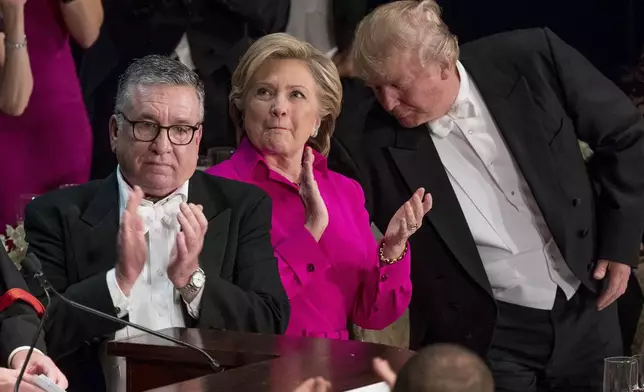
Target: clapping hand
[317, 384]
[384, 371]
[317, 216]
[12, 4]
[185, 260]
[405, 222]
[132, 248]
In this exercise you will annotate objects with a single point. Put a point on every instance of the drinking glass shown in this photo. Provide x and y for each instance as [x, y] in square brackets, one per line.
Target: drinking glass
[23, 200]
[638, 377]
[620, 374]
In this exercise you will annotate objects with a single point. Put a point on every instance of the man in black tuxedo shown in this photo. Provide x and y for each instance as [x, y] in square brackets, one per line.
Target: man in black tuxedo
[207, 35]
[18, 325]
[528, 248]
[156, 242]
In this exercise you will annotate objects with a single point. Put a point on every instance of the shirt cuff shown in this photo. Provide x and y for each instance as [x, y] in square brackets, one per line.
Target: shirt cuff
[195, 305]
[16, 351]
[122, 304]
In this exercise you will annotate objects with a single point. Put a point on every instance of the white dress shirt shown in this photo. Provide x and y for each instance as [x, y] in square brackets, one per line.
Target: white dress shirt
[182, 51]
[310, 21]
[153, 302]
[521, 259]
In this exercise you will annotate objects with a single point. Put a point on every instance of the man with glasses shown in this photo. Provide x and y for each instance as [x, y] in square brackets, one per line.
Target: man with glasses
[156, 242]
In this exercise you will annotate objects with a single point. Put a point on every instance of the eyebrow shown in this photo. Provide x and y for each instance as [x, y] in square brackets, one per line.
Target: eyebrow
[289, 86]
[147, 117]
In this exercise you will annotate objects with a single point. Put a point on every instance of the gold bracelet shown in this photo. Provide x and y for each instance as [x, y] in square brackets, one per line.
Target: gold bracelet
[385, 260]
[11, 45]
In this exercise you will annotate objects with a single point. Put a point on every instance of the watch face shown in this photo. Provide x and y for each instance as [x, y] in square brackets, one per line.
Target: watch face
[198, 279]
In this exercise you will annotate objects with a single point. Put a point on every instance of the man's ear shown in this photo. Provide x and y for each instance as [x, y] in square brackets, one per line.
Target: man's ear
[198, 135]
[114, 132]
[447, 70]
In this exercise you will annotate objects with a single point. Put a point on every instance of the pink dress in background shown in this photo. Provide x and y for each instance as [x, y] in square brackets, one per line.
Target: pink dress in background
[50, 144]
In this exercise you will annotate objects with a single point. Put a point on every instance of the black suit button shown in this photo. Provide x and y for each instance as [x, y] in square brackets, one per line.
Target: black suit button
[310, 267]
[582, 233]
[576, 201]
[469, 336]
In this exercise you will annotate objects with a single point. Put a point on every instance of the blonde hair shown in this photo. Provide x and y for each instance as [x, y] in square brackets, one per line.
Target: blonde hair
[284, 46]
[403, 25]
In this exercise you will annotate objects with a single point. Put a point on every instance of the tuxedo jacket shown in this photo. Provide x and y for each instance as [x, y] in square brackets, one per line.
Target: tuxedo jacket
[18, 323]
[543, 96]
[73, 231]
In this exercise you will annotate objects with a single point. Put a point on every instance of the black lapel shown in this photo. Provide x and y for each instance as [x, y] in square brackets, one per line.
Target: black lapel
[417, 160]
[95, 233]
[509, 99]
[105, 202]
[215, 242]
[198, 194]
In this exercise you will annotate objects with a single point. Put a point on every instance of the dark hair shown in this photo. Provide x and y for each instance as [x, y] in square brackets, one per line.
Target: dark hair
[444, 368]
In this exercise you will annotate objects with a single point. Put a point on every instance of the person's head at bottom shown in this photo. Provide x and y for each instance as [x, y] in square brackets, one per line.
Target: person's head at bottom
[444, 368]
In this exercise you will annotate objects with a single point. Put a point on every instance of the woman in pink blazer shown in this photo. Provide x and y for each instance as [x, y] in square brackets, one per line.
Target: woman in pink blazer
[285, 98]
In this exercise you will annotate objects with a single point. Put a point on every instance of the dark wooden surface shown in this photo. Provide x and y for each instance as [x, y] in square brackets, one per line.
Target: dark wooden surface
[250, 362]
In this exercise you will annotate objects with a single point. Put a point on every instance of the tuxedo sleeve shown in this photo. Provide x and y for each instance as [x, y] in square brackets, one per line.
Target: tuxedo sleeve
[254, 299]
[19, 322]
[66, 328]
[608, 121]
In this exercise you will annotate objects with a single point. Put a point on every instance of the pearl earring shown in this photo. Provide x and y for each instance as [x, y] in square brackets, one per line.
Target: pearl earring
[315, 132]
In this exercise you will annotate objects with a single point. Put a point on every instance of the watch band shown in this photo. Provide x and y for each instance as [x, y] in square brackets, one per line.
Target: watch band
[191, 288]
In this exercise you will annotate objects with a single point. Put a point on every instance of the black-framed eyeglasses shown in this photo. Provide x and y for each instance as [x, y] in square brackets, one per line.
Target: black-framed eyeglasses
[148, 131]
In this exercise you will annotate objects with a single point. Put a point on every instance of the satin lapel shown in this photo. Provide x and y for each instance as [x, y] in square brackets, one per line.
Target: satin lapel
[417, 160]
[94, 234]
[216, 239]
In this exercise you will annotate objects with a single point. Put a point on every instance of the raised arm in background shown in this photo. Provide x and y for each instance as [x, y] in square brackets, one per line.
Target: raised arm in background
[16, 81]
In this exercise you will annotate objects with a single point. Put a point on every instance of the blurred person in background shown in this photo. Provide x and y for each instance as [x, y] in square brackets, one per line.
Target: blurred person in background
[438, 368]
[435, 368]
[45, 133]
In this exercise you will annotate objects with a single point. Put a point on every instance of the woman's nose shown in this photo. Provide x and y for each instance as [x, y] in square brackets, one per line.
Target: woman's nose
[280, 107]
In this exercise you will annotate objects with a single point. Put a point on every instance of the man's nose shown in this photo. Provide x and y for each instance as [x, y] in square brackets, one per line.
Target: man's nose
[387, 99]
[162, 143]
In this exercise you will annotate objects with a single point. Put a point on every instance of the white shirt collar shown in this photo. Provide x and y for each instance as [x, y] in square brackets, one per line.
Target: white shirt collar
[125, 189]
[440, 127]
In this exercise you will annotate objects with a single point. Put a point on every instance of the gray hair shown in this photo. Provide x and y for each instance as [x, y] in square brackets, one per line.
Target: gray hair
[156, 70]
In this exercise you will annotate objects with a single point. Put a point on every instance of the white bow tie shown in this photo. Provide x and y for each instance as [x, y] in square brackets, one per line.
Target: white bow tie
[164, 212]
[460, 110]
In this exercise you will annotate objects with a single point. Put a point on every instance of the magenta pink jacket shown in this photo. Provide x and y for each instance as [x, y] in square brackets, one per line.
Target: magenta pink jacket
[338, 279]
